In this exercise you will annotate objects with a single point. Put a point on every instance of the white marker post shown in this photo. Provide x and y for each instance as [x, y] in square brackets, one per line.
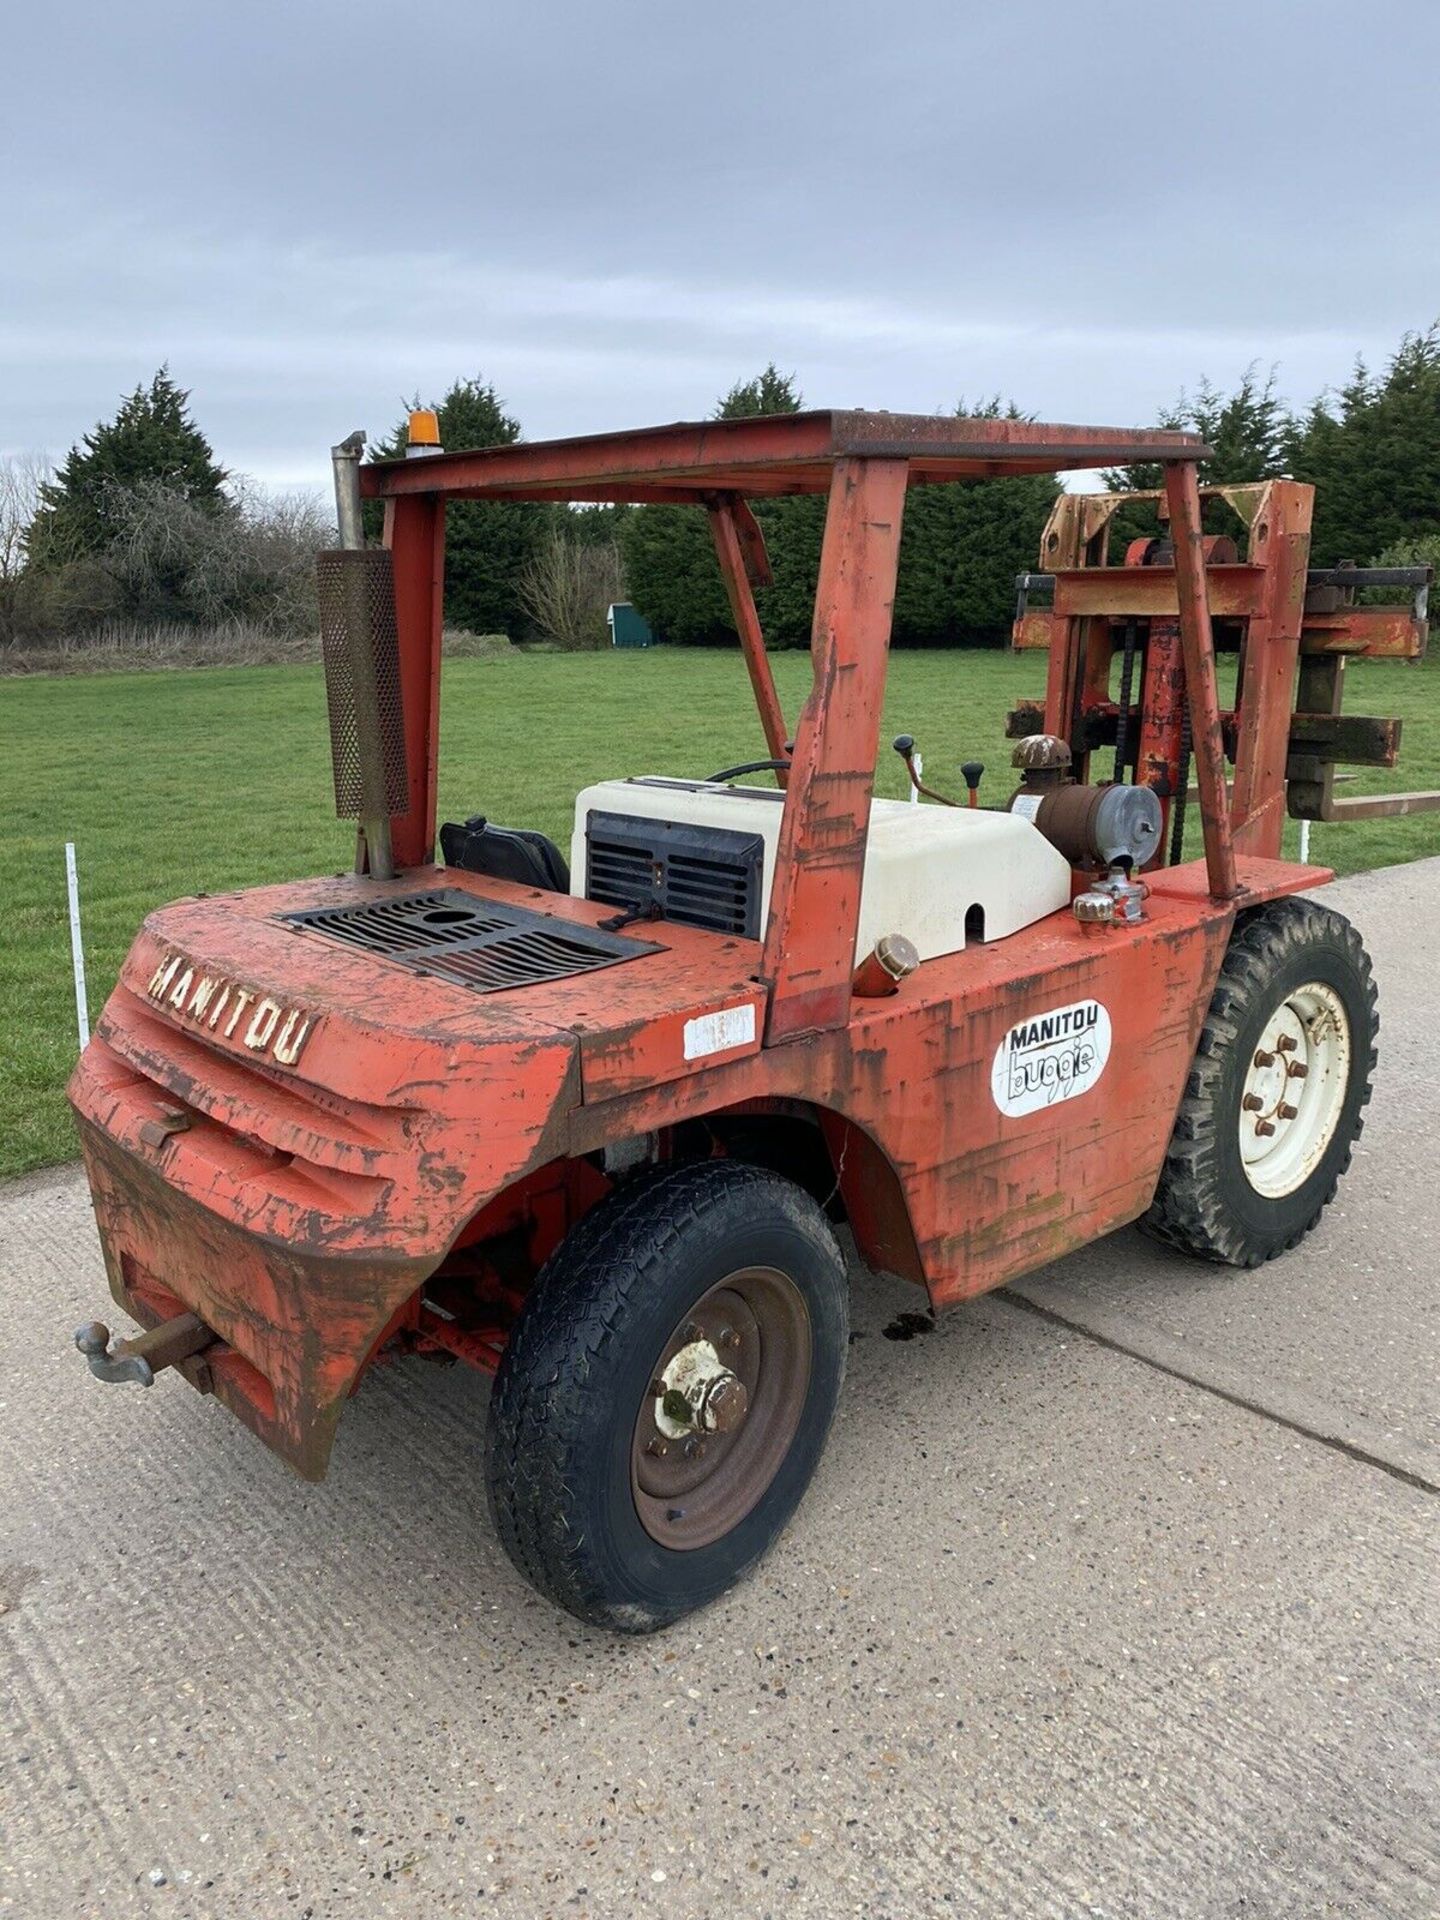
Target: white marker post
[77, 947]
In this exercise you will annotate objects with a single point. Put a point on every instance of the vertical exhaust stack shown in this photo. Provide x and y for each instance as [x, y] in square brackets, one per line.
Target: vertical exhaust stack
[361, 650]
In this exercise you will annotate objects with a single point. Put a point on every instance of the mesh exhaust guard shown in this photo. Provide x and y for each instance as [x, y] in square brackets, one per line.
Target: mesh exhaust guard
[360, 646]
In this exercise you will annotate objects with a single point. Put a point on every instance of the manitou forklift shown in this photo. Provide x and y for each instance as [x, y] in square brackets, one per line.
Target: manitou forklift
[587, 1124]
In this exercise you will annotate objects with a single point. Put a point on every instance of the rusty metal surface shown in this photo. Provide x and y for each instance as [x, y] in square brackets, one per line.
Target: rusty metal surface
[348, 1120]
[304, 1206]
[1373, 806]
[1041, 752]
[815, 896]
[1280, 540]
[939, 1184]
[726, 1395]
[1285, 744]
[773, 454]
[415, 536]
[362, 681]
[741, 563]
[1198, 647]
[304, 1203]
[171, 1342]
[292, 1139]
[1376, 633]
[1077, 534]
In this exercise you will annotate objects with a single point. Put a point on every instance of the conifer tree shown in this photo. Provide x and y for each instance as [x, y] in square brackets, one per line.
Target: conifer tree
[488, 543]
[672, 574]
[152, 441]
[1373, 455]
[961, 547]
[960, 550]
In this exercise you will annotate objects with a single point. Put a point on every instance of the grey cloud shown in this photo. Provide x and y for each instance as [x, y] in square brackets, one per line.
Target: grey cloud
[615, 210]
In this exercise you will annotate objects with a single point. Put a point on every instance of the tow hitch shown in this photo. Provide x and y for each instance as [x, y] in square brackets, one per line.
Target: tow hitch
[148, 1354]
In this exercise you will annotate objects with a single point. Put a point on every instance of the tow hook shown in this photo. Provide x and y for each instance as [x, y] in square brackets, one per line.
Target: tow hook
[145, 1356]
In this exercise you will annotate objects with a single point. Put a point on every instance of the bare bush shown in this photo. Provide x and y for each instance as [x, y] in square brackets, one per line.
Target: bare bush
[21, 477]
[171, 559]
[458, 643]
[568, 587]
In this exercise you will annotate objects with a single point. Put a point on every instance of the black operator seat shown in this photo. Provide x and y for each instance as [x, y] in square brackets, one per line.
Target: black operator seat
[505, 853]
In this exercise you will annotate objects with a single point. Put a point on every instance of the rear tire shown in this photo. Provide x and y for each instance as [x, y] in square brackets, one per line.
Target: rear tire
[715, 1277]
[1276, 1095]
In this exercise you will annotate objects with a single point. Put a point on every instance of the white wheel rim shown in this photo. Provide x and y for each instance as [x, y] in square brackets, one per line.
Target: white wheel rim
[1294, 1089]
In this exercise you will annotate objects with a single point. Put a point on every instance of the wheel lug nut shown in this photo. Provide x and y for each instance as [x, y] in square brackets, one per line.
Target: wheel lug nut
[657, 1389]
[1285, 1044]
[693, 1330]
[1264, 1128]
[1252, 1103]
[657, 1448]
[1287, 1112]
[694, 1448]
[729, 1337]
[1295, 1070]
[1264, 1059]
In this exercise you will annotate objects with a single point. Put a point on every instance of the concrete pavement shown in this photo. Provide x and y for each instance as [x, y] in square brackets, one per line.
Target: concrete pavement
[1116, 1596]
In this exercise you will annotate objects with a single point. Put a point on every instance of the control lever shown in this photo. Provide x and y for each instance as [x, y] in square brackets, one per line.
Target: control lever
[970, 773]
[650, 908]
[904, 745]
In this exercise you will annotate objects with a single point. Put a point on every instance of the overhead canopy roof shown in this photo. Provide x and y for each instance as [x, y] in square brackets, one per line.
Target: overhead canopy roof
[770, 454]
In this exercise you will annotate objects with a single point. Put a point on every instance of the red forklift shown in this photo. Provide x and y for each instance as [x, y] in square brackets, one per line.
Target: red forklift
[588, 1123]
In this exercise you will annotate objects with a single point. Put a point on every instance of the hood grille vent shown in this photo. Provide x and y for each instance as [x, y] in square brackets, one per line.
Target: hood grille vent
[477, 943]
[699, 876]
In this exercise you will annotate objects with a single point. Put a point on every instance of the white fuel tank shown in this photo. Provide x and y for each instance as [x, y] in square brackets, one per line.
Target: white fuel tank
[927, 868]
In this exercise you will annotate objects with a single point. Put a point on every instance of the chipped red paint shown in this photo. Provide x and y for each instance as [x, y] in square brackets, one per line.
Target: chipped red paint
[1278, 623]
[394, 1182]
[740, 550]
[810, 941]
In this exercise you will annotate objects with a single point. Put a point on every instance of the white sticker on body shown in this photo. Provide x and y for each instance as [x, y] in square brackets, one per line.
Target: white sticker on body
[718, 1032]
[1050, 1057]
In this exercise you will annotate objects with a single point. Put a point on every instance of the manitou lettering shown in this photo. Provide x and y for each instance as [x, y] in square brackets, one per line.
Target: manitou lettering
[1055, 1026]
[219, 1006]
[1051, 1057]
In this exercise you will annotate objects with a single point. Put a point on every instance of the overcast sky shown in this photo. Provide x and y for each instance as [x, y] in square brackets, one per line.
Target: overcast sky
[615, 209]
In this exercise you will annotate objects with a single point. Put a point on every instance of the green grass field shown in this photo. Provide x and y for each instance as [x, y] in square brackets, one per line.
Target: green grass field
[170, 783]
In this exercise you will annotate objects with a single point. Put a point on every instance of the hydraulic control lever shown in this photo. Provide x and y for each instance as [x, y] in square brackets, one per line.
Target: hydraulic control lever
[649, 907]
[904, 745]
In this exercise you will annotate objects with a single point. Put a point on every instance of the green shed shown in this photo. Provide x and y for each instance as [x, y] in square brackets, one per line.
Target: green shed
[627, 627]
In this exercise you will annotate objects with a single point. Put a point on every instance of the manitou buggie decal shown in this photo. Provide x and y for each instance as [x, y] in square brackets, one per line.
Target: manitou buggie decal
[1050, 1057]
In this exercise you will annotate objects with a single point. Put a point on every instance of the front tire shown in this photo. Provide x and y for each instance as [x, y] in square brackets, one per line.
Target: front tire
[1276, 1095]
[720, 1285]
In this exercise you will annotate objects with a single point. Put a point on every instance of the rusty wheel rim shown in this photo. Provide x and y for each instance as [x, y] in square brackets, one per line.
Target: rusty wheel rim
[756, 1324]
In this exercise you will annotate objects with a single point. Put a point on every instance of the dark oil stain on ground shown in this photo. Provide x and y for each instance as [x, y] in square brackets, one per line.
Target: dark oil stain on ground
[905, 1326]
